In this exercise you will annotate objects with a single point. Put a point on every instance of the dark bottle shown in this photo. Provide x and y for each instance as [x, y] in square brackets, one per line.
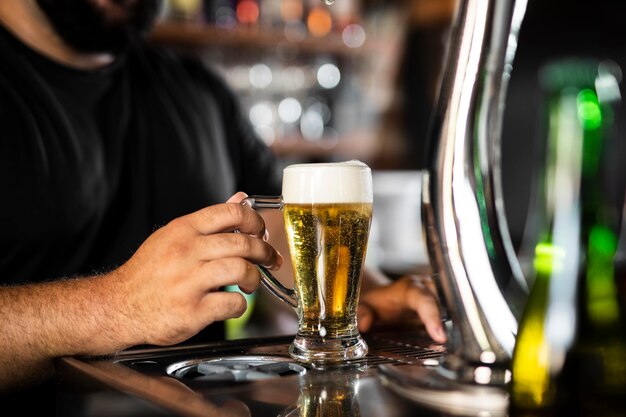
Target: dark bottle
[570, 353]
[593, 379]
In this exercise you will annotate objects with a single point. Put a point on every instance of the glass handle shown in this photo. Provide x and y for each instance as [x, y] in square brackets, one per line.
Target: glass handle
[263, 202]
[287, 295]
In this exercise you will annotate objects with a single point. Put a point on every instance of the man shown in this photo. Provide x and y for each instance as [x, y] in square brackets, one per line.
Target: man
[103, 140]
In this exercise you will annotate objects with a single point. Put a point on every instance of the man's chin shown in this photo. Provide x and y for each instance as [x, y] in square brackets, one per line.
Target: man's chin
[115, 12]
[87, 27]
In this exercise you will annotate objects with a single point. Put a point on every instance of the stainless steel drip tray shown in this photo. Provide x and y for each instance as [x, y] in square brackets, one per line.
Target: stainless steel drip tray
[235, 368]
[185, 361]
[193, 380]
[398, 348]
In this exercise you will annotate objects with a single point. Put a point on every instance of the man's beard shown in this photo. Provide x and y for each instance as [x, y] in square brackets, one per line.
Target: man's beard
[86, 28]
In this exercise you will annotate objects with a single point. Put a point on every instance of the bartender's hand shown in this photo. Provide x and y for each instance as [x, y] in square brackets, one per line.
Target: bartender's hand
[173, 281]
[409, 300]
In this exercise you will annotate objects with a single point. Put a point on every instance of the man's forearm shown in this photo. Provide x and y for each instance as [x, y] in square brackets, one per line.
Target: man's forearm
[43, 321]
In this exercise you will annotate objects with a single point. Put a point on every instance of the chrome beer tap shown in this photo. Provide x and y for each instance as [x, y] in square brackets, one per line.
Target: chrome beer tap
[470, 248]
[471, 253]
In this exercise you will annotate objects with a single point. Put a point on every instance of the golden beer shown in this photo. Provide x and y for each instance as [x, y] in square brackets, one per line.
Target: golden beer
[327, 244]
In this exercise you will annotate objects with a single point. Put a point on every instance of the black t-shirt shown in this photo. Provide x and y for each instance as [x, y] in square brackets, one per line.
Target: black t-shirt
[91, 162]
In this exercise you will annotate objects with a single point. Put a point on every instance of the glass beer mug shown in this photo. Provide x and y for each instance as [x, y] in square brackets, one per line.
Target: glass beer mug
[327, 209]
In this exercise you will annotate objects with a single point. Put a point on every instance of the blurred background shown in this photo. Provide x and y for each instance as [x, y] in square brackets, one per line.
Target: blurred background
[321, 81]
[352, 80]
[358, 79]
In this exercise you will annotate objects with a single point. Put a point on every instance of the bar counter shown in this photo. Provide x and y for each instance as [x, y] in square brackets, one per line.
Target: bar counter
[248, 377]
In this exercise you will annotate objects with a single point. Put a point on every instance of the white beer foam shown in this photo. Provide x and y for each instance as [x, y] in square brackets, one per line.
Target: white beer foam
[332, 182]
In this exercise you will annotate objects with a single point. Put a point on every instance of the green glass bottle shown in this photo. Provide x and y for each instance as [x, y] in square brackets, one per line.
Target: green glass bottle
[593, 379]
[573, 296]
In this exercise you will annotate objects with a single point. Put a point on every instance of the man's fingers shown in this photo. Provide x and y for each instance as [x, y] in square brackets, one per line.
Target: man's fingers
[229, 245]
[365, 317]
[422, 300]
[238, 197]
[223, 305]
[226, 217]
[230, 271]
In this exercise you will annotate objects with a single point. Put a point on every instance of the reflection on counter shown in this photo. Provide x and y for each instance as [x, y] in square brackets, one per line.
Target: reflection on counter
[331, 394]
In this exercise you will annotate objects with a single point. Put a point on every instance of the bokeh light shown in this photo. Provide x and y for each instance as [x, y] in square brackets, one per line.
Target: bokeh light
[289, 110]
[260, 76]
[319, 22]
[328, 76]
[353, 36]
[247, 11]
